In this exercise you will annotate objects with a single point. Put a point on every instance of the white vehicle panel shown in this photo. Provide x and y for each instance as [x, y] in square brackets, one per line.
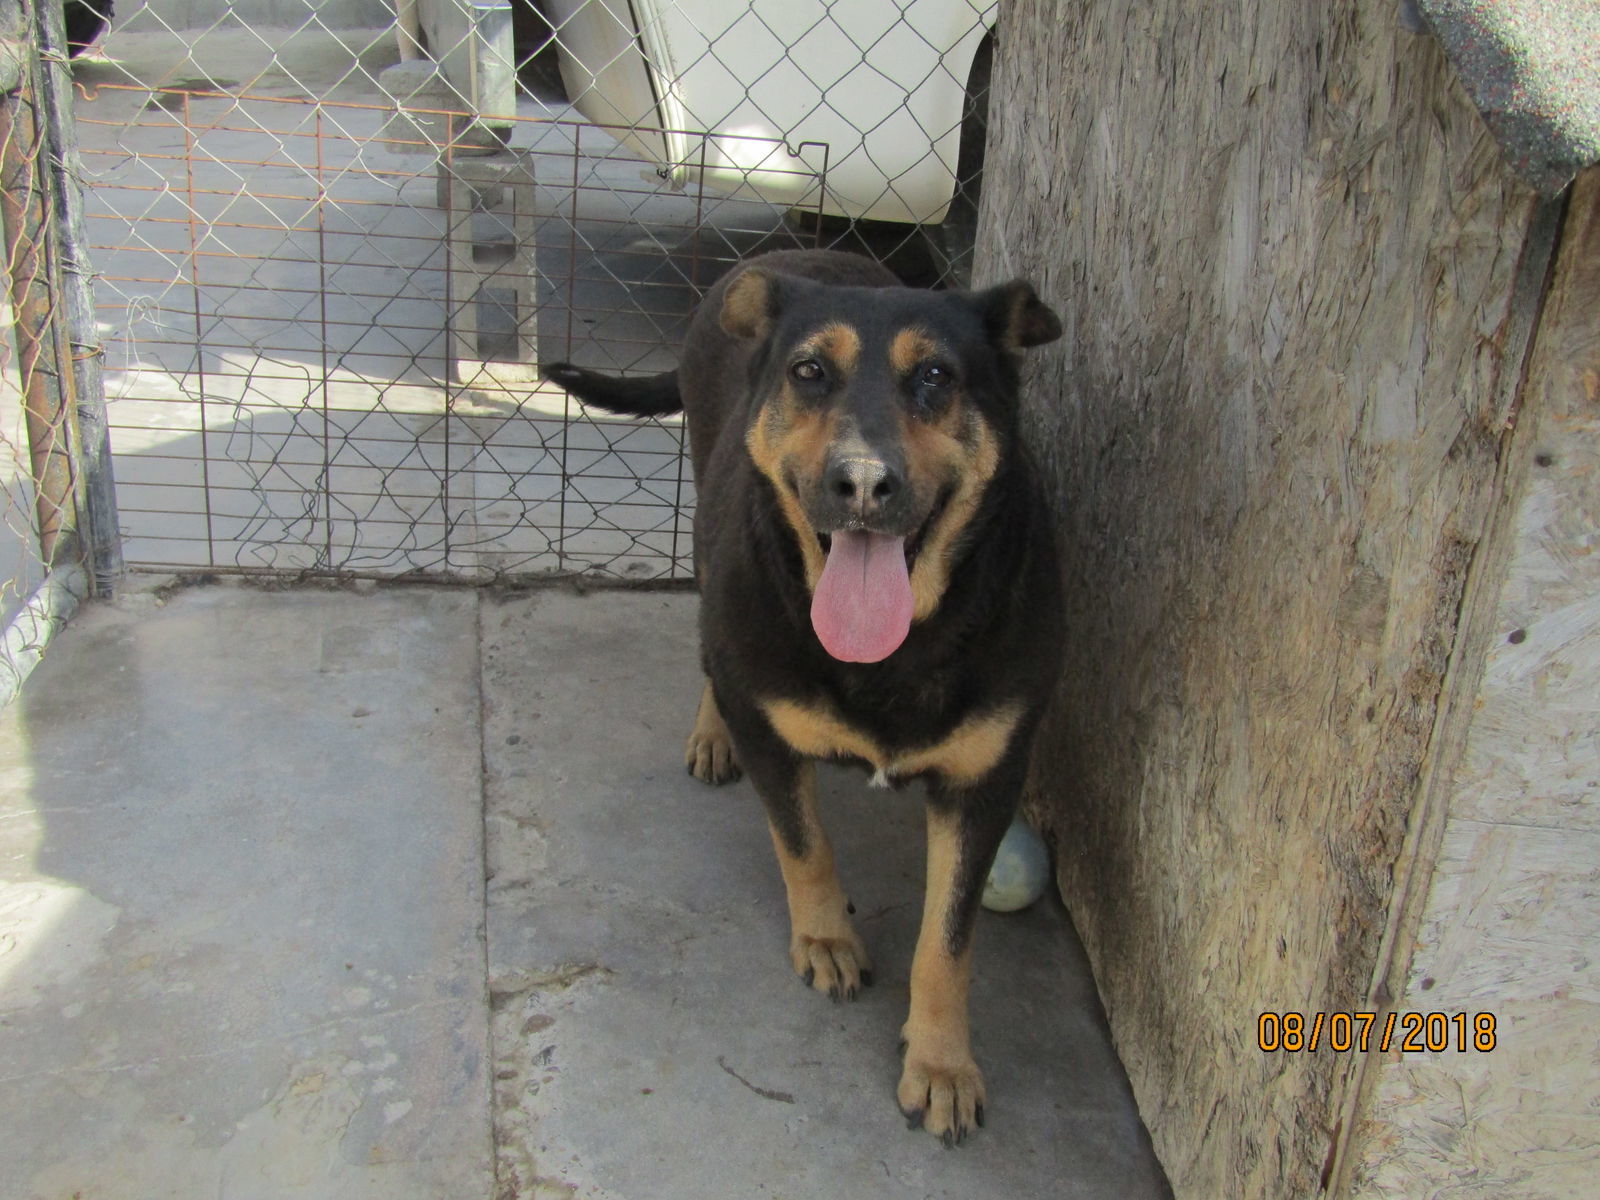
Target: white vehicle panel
[871, 92]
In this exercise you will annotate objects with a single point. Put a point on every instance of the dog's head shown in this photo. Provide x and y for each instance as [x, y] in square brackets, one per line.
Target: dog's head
[881, 415]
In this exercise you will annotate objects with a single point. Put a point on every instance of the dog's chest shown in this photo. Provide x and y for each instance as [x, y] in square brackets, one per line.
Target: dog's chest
[968, 750]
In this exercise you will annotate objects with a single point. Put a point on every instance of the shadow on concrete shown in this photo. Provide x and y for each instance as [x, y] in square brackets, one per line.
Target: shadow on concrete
[240, 916]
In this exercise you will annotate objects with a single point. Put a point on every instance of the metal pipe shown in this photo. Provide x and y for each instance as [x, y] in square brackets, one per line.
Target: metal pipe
[25, 220]
[91, 441]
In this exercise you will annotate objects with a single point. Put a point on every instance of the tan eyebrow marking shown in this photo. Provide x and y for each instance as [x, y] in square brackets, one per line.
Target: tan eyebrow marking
[910, 347]
[840, 343]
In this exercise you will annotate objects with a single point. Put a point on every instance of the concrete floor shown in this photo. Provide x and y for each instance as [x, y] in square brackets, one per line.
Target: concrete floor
[404, 893]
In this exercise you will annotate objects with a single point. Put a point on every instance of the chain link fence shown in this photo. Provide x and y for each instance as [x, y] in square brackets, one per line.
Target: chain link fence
[57, 528]
[334, 239]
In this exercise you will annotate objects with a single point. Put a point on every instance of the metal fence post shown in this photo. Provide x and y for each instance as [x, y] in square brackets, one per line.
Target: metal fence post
[46, 387]
[91, 448]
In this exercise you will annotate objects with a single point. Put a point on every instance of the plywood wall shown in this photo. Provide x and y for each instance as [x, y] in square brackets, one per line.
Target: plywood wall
[1510, 926]
[1287, 257]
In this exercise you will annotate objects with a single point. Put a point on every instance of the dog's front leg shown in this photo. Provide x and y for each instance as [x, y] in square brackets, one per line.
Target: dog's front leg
[823, 944]
[941, 1087]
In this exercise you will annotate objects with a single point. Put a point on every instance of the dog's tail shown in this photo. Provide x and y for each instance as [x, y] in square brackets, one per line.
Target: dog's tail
[634, 396]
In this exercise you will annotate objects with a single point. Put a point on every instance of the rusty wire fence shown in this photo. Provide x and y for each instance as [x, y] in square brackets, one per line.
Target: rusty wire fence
[57, 530]
[326, 344]
[332, 249]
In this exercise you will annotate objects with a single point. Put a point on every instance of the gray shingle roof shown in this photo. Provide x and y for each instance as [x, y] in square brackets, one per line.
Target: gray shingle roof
[1533, 69]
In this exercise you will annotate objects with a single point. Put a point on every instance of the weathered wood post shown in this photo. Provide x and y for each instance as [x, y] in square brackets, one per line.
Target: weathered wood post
[1305, 282]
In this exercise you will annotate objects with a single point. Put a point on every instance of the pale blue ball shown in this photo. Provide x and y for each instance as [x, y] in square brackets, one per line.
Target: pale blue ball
[1021, 870]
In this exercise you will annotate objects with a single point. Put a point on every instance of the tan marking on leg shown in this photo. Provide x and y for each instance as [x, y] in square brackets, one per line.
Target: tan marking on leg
[940, 1082]
[935, 451]
[970, 752]
[823, 944]
[709, 752]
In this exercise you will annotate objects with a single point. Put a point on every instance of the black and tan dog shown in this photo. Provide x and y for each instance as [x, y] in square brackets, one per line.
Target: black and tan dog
[878, 583]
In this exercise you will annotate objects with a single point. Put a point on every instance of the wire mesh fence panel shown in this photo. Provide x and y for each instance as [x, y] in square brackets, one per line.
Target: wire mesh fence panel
[315, 365]
[23, 569]
[334, 244]
[45, 475]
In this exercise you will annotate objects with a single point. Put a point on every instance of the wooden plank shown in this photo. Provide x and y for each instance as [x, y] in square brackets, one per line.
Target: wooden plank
[1285, 252]
[1513, 907]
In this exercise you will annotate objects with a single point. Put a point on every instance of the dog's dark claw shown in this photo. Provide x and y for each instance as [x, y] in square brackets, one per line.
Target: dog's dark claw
[833, 993]
[979, 1116]
[949, 1139]
[810, 976]
[913, 1117]
[850, 907]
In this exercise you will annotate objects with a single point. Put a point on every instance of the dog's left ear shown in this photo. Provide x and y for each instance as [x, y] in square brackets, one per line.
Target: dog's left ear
[1016, 317]
[750, 304]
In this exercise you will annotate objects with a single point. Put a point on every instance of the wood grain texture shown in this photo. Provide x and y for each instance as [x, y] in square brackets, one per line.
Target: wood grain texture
[1511, 923]
[1284, 248]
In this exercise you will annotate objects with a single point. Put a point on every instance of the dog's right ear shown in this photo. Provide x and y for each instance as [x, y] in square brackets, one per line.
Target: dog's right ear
[1017, 318]
[750, 304]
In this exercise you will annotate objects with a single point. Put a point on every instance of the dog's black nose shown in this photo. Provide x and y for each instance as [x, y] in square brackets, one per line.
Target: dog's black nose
[861, 487]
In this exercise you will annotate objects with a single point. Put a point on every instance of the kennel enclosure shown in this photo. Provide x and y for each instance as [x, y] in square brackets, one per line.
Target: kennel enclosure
[1321, 437]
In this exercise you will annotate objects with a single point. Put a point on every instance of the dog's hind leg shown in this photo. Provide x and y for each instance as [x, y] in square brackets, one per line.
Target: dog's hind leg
[709, 752]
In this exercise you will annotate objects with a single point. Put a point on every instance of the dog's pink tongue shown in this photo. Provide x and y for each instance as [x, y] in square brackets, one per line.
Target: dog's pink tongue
[861, 609]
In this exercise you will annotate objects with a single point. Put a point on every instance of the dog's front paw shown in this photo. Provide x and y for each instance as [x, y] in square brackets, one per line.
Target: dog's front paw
[942, 1092]
[836, 966]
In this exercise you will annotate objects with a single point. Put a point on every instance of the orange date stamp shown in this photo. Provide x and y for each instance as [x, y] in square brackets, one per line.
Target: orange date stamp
[1344, 1032]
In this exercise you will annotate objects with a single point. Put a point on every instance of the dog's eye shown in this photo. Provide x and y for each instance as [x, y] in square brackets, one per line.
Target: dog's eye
[935, 376]
[807, 370]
